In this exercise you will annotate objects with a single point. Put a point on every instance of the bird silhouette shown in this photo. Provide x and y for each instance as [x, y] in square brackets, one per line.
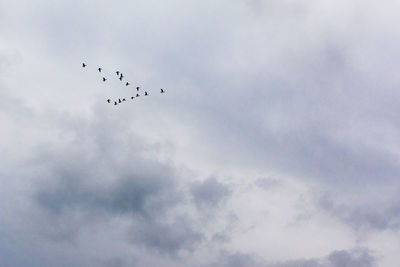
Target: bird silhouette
[127, 84]
[104, 79]
[120, 78]
[117, 73]
[108, 100]
[119, 100]
[132, 97]
[99, 69]
[161, 91]
[145, 93]
[123, 99]
[83, 65]
[137, 88]
[115, 103]
[137, 95]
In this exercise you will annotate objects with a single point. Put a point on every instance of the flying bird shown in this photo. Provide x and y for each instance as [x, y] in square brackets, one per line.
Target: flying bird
[121, 76]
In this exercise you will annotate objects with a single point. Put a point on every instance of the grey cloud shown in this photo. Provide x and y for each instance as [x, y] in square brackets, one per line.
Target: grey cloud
[168, 238]
[102, 182]
[344, 258]
[135, 195]
[225, 235]
[360, 217]
[267, 183]
[294, 263]
[305, 90]
[221, 237]
[80, 191]
[237, 259]
[116, 262]
[14, 108]
[209, 192]
[8, 59]
[338, 258]
[291, 123]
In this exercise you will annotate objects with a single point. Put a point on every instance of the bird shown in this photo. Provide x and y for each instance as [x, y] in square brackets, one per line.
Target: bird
[99, 69]
[123, 99]
[137, 88]
[161, 90]
[108, 100]
[145, 93]
[127, 84]
[83, 65]
[115, 103]
[117, 73]
[120, 78]
[119, 100]
[132, 97]
[137, 95]
[104, 79]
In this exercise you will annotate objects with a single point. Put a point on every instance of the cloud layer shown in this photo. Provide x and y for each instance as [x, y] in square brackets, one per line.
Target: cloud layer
[276, 143]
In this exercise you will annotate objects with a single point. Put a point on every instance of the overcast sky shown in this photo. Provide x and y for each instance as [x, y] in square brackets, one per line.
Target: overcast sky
[276, 144]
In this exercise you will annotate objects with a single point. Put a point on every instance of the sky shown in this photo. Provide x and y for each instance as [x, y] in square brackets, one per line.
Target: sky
[276, 144]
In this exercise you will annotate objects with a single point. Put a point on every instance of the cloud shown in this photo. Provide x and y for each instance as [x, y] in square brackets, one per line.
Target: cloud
[305, 91]
[267, 183]
[133, 195]
[354, 258]
[235, 260]
[80, 191]
[362, 217]
[338, 258]
[169, 238]
[209, 192]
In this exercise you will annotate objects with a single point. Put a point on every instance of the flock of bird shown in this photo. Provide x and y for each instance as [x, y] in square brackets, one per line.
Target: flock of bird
[120, 76]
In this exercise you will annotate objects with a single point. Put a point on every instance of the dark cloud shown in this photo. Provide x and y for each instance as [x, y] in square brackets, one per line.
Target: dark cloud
[116, 262]
[362, 217]
[136, 194]
[294, 263]
[209, 192]
[344, 258]
[221, 237]
[164, 237]
[339, 258]
[80, 191]
[237, 259]
[141, 196]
